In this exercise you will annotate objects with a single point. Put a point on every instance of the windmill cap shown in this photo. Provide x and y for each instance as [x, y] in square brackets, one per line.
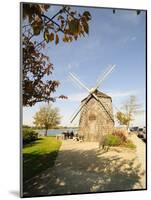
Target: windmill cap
[99, 94]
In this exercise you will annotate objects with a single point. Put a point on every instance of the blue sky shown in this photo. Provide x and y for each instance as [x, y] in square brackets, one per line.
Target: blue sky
[113, 39]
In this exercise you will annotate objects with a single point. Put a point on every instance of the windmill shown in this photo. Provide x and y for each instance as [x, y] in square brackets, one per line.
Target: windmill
[96, 113]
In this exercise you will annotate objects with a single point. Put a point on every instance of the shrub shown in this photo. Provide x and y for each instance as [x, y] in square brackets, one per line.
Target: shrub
[117, 138]
[111, 140]
[121, 134]
[29, 135]
[130, 145]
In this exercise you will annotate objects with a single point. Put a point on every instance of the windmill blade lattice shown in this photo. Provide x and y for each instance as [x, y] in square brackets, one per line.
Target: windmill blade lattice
[79, 109]
[105, 75]
[92, 92]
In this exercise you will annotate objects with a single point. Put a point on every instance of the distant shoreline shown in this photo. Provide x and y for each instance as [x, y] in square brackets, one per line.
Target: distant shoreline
[54, 132]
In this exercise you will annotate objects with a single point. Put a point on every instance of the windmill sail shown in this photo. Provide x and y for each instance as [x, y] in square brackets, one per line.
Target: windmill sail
[105, 75]
[79, 109]
[96, 113]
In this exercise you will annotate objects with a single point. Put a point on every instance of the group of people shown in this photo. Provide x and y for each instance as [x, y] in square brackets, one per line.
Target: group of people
[71, 135]
[68, 135]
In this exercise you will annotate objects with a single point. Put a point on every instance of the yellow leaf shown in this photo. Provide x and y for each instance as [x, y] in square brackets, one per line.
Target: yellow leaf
[51, 37]
[74, 26]
[46, 35]
[65, 38]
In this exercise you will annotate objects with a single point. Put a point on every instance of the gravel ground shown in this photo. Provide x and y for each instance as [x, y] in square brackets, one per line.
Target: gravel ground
[140, 150]
[82, 168]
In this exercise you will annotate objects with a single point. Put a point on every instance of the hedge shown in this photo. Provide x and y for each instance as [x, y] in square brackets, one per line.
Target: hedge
[29, 135]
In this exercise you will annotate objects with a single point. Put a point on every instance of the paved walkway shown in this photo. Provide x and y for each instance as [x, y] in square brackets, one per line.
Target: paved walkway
[83, 168]
[140, 150]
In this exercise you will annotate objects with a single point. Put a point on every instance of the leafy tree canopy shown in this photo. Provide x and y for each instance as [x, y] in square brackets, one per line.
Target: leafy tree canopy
[66, 25]
[47, 117]
[130, 107]
[123, 118]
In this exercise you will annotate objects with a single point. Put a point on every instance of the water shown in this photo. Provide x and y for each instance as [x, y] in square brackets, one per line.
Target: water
[54, 132]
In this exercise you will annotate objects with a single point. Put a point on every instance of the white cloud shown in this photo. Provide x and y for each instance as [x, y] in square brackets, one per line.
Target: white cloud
[72, 65]
[119, 97]
[118, 94]
[114, 94]
[126, 39]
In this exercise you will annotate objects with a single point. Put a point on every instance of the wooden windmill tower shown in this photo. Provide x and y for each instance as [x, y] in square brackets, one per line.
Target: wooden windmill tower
[96, 113]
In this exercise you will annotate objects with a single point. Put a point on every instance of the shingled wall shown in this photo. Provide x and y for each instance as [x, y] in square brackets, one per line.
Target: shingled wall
[95, 121]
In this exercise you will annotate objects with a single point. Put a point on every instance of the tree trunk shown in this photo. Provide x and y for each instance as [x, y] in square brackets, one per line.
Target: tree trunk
[46, 132]
[127, 126]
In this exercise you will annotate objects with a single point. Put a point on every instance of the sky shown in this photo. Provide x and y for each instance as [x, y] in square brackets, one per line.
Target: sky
[113, 39]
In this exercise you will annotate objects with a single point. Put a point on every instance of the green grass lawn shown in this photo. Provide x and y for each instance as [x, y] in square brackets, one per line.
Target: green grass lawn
[39, 156]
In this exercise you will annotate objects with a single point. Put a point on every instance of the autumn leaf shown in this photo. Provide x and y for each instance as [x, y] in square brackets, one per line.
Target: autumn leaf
[74, 26]
[36, 30]
[86, 27]
[57, 39]
[46, 35]
[36, 26]
[66, 39]
[51, 37]
[87, 15]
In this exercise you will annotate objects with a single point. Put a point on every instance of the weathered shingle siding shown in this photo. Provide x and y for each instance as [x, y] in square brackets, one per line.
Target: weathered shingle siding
[94, 120]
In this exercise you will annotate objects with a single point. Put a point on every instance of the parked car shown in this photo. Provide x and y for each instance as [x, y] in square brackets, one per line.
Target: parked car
[142, 134]
[144, 129]
[134, 129]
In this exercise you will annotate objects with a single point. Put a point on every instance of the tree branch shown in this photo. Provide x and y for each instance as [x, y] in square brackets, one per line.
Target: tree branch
[50, 19]
[26, 25]
[69, 13]
[39, 43]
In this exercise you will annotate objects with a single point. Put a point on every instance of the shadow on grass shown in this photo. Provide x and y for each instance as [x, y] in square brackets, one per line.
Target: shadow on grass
[35, 163]
[85, 172]
[32, 143]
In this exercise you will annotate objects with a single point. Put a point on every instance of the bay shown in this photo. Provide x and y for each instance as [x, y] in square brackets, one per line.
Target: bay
[54, 132]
